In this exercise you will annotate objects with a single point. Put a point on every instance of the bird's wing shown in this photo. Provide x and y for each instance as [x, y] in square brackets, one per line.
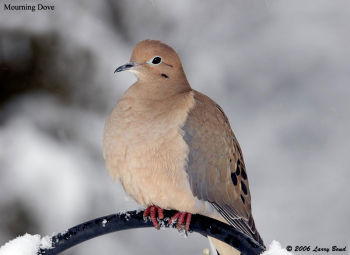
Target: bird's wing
[215, 166]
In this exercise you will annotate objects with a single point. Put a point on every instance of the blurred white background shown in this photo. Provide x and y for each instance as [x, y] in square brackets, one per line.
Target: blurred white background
[279, 69]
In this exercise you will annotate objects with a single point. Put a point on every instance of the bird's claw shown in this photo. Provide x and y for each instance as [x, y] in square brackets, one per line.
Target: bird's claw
[180, 218]
[152, 212]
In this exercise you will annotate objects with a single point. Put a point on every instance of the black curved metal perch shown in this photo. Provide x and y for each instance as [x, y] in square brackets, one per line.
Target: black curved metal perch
[134, 219]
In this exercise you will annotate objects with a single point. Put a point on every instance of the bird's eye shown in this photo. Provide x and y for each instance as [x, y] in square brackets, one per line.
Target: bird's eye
[156, 60]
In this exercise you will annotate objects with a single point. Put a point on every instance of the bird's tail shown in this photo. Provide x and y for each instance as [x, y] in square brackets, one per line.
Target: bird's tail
[223, 248]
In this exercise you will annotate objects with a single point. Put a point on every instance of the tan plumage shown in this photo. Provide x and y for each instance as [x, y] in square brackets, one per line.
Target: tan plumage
[173, 147]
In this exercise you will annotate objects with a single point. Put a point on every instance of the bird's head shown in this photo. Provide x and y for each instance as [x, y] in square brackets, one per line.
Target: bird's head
[154, 61]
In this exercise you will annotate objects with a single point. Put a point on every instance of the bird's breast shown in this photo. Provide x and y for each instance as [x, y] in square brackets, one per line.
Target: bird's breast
[144, 148]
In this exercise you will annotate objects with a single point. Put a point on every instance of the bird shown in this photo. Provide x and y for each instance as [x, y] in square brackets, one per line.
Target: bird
[172, 147]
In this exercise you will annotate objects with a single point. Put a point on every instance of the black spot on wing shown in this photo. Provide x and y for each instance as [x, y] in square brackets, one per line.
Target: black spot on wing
[238, 171]
[234, 178]
[244, 188]
[243, 200]
[244, 174]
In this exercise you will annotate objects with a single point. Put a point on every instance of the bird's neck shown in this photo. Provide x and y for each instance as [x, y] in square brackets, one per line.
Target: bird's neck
[158, 90]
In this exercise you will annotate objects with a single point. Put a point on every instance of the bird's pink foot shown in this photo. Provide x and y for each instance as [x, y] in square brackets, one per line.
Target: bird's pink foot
[180, 217]
[152, 211]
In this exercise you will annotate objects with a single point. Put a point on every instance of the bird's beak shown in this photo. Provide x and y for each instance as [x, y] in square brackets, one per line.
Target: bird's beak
[127, 66]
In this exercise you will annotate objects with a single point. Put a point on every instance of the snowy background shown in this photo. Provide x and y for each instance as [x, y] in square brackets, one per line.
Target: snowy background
[279, 69]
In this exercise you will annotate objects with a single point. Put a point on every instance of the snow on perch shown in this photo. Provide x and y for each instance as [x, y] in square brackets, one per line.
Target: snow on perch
[276, 249]
[26, 245]
[30, 245]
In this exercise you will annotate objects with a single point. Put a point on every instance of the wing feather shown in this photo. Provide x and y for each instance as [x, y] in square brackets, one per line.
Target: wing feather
[216, 167]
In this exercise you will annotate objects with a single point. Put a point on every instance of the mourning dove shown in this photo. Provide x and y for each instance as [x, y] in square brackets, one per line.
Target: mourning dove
[172, 147]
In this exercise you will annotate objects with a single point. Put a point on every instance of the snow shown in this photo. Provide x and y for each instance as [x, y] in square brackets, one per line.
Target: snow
[127, 216]
[30, 244]
[276, 249]
[25, 245]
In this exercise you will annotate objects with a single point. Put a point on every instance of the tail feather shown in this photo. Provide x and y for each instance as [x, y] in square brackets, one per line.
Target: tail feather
[223, 248]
